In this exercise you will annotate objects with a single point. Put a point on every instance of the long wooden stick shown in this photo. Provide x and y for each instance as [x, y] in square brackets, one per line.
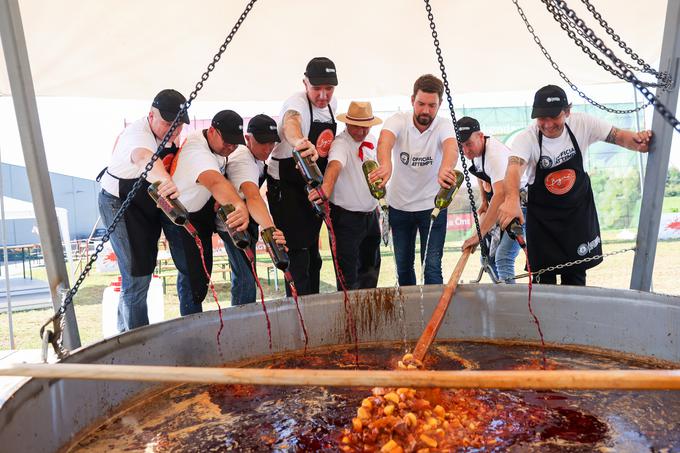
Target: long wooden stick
[518, 379]
[430, 332]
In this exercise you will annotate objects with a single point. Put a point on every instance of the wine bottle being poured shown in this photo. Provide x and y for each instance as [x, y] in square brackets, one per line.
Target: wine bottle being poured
[175, 210]
[445, 196]
[276, 251]
[378, 192]
[241, 239]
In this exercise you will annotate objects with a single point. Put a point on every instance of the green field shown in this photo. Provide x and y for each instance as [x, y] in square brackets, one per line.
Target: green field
[671, 204]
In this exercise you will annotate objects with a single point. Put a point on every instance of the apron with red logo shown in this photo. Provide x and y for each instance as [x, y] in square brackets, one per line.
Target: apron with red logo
[290, 208]
[561, 222]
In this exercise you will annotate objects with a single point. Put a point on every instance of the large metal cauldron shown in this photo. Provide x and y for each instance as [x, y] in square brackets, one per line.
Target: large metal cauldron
[44, 415]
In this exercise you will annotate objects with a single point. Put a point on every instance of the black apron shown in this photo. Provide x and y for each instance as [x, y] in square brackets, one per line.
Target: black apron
[288, 202]
[562, 224]
[142, 219]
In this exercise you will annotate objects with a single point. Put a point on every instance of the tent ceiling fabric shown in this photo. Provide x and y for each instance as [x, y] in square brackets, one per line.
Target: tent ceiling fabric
[129, 49]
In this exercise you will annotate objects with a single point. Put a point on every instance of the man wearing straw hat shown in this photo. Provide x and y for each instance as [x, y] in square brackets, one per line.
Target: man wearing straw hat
[354, 211]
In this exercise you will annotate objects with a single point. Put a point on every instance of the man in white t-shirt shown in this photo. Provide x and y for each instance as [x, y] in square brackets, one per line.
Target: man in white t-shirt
[489, 160]
[417, 152]
[561, 222]
[135, 239]
[245, 170]
[307, 124]
[198, 171]
[353, 210]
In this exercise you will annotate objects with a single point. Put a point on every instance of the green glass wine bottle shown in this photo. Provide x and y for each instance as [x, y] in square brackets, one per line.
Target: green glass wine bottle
[445, 196]
[276, 251]
[311, 172]
[175, 210]
[378, 192]
[241, 238]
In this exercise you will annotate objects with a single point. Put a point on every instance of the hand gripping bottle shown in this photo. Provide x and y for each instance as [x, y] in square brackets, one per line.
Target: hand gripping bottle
[378, 192]
[276, 251]
[241, 239]
[175, 210]
[444, 196]
[311, 172]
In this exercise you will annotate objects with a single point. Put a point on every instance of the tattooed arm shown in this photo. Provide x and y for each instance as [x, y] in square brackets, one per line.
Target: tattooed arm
[636, 141]
[510, 209]
[292, 132]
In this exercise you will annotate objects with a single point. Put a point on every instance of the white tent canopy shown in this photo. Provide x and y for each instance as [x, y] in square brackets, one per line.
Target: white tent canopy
[129, 50]
[18, 209]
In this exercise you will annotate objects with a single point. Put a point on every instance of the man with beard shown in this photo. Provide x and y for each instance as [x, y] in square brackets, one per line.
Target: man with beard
[307, 125]
[418, 151]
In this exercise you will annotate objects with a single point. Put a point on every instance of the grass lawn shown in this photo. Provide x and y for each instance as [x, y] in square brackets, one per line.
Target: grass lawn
[613, 273]
[671, 204]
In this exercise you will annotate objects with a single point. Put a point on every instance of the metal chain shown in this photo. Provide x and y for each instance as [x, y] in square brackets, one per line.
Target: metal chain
[646, 68]
[564, 77]
[572, 263]
[628, 74]
[447, 89]
[664, 78]
[68, 299]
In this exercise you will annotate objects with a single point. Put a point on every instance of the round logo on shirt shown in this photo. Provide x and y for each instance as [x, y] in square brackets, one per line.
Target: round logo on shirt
[169, 163]
[561, 181]
[545, 162]
[405, 158]
[582, 250]
[324, 141]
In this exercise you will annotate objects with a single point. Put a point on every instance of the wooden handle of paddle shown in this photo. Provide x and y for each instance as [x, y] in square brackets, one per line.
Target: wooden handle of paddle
[430, 332]
[517, 379]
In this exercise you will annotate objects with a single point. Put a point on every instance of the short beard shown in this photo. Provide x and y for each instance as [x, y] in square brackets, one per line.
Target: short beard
[424, 120]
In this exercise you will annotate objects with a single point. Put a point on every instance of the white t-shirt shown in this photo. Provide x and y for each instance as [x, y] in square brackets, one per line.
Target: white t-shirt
[194, 158]
[351, 189]
[297, 102]
[495, 161]
[136, 135]
[243, 167]
[587, 130]
[416, 159]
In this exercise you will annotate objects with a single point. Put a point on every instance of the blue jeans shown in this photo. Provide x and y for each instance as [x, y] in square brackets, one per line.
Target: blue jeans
[404, 226]
[132, 312]
[506, 254]
[243, 290]
[175, 236]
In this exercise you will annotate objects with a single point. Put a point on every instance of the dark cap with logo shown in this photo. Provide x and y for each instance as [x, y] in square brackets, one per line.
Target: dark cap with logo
[549, 101]
[263, 129]
[321, 71]
[230, 126]
[466, 127]
[169, 102]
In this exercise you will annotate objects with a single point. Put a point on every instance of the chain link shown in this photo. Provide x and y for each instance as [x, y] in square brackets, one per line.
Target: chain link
[664, 77]
[572, 263]
[564, 77]
[627, 73]
[68, 299]
[447, 89]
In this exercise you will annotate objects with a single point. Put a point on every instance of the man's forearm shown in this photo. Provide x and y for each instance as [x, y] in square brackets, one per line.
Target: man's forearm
[258, 210]
[512, 176]
[330, 177]
[292, 127]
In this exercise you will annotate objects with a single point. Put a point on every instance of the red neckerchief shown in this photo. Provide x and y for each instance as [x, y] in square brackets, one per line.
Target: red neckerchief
[368, 145]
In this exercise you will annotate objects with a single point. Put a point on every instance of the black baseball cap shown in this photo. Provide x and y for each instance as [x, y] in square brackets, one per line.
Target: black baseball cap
[230, 126]
[263, 129]
[169, 102]
[466, 127]
[321, 71]
[549, 101]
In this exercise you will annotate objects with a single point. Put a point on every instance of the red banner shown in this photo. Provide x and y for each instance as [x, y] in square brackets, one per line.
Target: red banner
[459, 222]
